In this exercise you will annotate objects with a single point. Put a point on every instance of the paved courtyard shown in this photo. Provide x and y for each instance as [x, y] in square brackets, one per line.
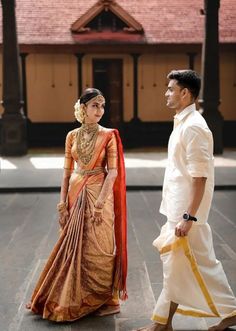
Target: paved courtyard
[28, 231]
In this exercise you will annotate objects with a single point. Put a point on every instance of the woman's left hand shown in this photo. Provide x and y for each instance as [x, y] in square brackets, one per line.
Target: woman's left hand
[97, 215]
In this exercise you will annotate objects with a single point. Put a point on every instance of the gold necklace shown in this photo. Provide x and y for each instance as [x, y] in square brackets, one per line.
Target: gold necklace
[89, 128]
[86, 139]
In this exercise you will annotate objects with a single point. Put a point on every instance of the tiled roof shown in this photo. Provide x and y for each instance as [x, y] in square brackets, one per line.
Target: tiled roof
[175, 21]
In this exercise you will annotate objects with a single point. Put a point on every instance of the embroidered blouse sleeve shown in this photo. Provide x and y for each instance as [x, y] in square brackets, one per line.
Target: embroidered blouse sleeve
[69, 161]
[111, 151]
[199, 150]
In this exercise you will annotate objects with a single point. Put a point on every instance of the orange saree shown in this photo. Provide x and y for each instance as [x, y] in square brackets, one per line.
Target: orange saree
[88, 265]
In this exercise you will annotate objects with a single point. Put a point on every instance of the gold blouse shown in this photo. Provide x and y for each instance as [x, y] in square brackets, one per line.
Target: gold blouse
[107, 158]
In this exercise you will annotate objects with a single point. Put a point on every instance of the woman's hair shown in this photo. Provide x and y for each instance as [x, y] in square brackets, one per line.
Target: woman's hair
[89, 94]
[187, 79]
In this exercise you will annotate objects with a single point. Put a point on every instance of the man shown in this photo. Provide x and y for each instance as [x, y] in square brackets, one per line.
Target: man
[194, 282]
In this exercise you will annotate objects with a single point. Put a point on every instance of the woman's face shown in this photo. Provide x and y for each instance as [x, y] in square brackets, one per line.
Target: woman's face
[94, 110]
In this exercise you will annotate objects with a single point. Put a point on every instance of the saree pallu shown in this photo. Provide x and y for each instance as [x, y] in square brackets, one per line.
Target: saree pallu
[192, 276]
[84, 270]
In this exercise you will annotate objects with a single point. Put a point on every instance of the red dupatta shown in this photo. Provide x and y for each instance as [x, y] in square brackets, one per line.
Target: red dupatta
[119, 190]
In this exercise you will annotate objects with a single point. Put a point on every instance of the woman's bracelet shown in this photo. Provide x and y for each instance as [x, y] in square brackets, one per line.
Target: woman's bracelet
[62, 206]
[98, 210]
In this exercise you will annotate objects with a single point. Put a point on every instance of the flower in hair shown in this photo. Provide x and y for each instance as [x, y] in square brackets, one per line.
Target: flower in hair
[79, 114]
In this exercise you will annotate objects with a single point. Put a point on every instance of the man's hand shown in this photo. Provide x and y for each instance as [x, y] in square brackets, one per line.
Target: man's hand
[182, 228]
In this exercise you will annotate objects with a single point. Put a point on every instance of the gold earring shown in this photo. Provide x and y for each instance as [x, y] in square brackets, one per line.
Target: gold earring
[83, 115]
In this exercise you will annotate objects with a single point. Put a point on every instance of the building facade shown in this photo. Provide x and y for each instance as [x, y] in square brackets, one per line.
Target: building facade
[126, 49]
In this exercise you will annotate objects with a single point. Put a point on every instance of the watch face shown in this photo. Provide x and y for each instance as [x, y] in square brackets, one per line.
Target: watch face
[185, 216]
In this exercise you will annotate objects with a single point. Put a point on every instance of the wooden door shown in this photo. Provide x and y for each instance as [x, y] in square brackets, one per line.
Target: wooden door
[107, 77]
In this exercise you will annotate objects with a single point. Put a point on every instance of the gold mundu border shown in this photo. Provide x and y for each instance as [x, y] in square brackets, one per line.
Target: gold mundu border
[183, 242]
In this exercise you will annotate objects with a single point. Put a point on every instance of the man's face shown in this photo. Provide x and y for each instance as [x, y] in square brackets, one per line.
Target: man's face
[173, 95]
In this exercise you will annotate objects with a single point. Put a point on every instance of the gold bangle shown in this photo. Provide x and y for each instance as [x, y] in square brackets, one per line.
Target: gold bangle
[99, 210]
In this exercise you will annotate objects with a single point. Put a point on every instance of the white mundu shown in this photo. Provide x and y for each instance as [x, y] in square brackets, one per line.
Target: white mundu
[192, 276]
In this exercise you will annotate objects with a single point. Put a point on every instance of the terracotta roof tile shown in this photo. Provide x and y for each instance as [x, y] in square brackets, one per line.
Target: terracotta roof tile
[176, 21]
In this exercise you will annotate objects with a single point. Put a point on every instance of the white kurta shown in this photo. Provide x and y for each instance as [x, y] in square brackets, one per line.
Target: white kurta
[192, 276]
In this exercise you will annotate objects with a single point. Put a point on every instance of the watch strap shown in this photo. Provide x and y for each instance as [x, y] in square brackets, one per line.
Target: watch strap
[187, 217]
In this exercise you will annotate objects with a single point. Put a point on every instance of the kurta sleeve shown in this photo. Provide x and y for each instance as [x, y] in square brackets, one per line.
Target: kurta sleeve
[69, 161]
[111, 151]
[199, 150]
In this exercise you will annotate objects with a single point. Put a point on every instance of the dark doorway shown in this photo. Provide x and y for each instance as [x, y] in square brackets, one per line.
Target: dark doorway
[107, 77]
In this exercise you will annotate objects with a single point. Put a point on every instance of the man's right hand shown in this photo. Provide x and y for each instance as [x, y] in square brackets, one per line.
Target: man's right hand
[182, 228]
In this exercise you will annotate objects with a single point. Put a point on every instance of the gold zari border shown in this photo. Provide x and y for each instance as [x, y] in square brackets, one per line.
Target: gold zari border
[159, 319]
[194, 313]
[185, 245]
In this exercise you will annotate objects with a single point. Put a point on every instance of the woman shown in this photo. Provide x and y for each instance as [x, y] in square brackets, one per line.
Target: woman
[86, 271]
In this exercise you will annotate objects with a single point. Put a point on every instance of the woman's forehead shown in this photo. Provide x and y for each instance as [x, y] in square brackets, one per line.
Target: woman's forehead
[96, 102]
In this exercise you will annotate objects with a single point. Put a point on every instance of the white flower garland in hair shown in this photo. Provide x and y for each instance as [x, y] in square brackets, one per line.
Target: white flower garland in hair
[79, 113]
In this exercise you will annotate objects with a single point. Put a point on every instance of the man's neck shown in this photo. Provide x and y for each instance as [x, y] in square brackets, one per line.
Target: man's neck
[178, 111]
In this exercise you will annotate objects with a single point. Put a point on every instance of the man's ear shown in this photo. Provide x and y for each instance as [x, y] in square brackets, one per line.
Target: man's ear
[185, 93]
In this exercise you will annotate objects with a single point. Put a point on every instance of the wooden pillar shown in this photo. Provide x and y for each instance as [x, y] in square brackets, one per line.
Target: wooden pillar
[13, 126]
[135, 75]
[24, 82]
[191, 58]
[210, 92]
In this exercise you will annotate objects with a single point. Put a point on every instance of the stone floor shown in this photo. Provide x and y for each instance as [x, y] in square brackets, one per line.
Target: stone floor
[28, 231]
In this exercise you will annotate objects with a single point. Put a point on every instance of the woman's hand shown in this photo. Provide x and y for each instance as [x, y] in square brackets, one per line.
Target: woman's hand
[63, 213]
[97, 215]
[63, 218]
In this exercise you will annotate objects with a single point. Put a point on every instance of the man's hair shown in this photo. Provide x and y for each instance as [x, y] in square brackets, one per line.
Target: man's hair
[187, 79]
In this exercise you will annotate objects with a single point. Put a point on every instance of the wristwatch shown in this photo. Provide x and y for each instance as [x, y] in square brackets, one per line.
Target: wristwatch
[187, 217]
